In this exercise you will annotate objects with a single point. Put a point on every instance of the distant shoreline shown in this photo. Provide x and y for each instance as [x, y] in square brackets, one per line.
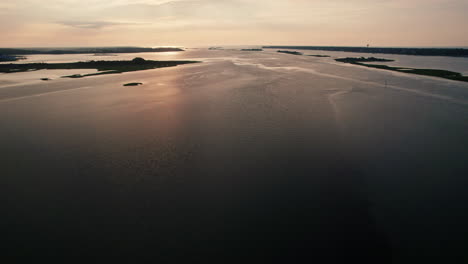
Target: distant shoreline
[447, 52]
[61, 51]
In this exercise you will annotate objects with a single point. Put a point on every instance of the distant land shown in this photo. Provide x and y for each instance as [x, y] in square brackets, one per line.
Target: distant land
[95, 50]
[450, 52]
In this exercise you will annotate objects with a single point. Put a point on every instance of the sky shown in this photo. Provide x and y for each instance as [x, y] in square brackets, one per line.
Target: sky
[192, 23]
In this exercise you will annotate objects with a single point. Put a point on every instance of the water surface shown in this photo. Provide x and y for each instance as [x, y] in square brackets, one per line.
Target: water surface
[246, 156]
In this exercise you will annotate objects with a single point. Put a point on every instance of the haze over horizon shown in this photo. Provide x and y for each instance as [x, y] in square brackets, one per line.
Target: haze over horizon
[34, 23]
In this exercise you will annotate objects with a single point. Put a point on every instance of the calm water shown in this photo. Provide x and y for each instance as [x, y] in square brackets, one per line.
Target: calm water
[246, 156]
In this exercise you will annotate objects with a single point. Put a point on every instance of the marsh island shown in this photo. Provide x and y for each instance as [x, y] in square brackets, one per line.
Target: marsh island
[427, 72]
[103, 67]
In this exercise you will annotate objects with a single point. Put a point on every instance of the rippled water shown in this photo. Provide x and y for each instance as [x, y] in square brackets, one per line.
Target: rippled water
[246, 156]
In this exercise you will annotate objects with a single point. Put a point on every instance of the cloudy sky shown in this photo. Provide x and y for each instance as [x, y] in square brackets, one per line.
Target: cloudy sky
[34, 23]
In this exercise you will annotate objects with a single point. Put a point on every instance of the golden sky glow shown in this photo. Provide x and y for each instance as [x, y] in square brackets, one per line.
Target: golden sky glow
[34, 23]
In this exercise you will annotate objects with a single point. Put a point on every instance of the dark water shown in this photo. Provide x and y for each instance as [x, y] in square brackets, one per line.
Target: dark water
[266, 158]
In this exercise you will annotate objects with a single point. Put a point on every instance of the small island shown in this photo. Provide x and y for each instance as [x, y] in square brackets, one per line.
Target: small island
[133, 84]
[290, 52]
[319, 56]
[456, 76]
[251, 49]
[103, 67]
